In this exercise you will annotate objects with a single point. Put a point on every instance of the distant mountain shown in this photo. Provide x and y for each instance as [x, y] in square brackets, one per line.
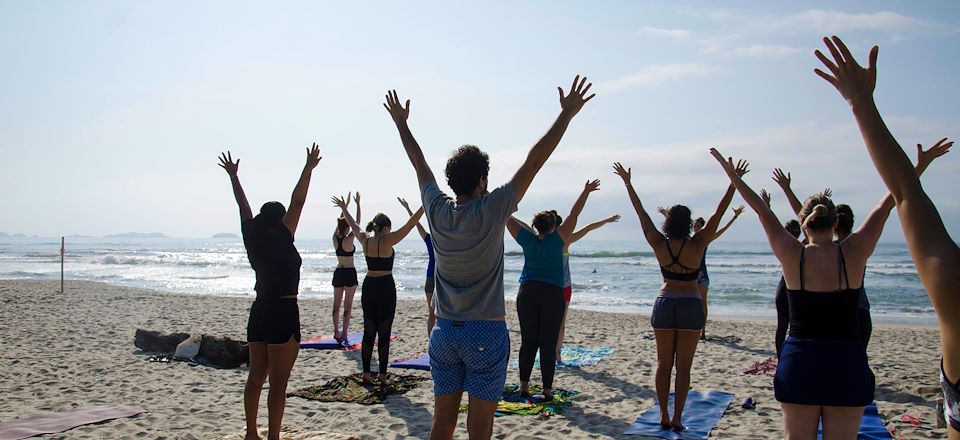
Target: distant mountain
[225, 235]
[137, 235]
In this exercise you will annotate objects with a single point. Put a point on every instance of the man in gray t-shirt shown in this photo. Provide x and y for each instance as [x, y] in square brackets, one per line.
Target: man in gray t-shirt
[470, 344]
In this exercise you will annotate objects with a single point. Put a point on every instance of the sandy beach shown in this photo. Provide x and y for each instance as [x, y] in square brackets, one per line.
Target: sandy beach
[61, 351]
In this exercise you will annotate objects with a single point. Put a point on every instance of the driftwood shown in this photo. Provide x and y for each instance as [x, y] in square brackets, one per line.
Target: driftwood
[214, 350]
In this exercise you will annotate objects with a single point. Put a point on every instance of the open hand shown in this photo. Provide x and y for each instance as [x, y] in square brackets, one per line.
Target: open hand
[926, 157]
[663, 211]
[613, 218]
[827, 192]
[348, 197]
[624, 173]
[782, 179]
[852, 81]
[727, 163]
[403, 202]
[741, 168]
[356, 197]
[591, 185]
[313, 156]
[227, 163]
[765, 196]
[397, 112]
[574, 101]
[737, 211]
[339, 202]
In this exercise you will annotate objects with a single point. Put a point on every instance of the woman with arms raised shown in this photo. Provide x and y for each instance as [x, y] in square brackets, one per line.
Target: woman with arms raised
[378, 295]
[935, 253]
[345, 275]
[273, 329]
[678, 314]
[540, 302]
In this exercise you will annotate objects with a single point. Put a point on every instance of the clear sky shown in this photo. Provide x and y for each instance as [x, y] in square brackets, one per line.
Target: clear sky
[113, 113]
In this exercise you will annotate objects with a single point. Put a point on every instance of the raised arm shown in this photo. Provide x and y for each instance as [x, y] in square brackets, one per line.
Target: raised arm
[356, 197]
[397, 236]
[570, 223]
[299, 197]
[781, 242]
[783, 180]
[541, 151]
[736, 213]
[865, 238]
[403, 202]
[592, 226]
[709, 230]
[650, 231]
[358, 232]
[399, 115]
[231, 167]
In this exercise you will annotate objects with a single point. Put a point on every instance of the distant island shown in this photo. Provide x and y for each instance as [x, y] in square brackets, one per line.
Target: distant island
[225, 235]
[137, 235]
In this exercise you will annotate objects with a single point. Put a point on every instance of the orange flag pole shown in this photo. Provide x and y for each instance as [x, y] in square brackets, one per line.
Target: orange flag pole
[63, 250]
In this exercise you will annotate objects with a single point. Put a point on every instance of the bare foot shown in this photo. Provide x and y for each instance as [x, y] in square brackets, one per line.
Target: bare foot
[548, 394]
[383, 379]
[524, 390]
[368, 379]
[665, 421]
[252, 436]
[337, 336]
[677, 426]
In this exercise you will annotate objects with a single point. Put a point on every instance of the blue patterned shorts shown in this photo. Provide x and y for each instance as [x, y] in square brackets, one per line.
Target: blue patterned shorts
[469, 356]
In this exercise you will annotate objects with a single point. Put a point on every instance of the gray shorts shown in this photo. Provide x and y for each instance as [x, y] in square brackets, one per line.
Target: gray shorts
[673, 313]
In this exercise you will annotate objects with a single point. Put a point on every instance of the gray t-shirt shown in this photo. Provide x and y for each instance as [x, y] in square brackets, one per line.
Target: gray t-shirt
[468, 244]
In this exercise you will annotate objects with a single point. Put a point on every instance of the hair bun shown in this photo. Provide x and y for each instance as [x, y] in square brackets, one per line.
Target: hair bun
[818, 211]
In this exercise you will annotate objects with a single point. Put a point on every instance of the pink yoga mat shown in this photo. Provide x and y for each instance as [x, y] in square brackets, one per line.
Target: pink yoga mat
[49, 423]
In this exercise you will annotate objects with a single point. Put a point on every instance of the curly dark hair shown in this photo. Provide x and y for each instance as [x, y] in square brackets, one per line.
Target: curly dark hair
[465, 168]
[816, 219]
[677, 224]
[793, 227]
[545, 221]
[844, 220]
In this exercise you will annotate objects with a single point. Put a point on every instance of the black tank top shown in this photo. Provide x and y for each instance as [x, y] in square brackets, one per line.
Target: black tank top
[688, 274]
[379, 263]
[274, 258]
[340, 251]
[824, 315]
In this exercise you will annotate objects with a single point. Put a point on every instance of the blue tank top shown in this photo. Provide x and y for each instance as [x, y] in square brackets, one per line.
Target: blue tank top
[430, 264]
[542, 258]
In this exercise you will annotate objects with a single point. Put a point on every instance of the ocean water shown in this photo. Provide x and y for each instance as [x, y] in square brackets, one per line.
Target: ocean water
[620, 276]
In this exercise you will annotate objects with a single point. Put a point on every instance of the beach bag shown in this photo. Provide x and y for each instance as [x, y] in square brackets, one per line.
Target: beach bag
[188, 349]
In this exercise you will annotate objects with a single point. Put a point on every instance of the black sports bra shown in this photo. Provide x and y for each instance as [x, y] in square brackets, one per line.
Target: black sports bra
[379, 263]
[691, 273]
[340, 251]
[824, 315]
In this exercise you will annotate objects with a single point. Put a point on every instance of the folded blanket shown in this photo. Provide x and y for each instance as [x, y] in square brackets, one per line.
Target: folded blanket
[351, 389]
[512, 404]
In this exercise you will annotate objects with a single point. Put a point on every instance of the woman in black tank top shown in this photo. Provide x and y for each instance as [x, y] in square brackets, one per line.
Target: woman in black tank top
[378, 296]
[822, 376]
[273, 328]
[345, 275]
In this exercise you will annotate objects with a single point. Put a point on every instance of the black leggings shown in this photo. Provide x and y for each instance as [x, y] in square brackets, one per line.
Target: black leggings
[378, 297]
[540, 308]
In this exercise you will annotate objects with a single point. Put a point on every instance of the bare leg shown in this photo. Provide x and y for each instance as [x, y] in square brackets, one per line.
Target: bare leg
[800, 422]
[563, 327]
[251, 392]
[841, 421]
[337, 299]
[686, 348]
[347, 309]
[282, 357]
[666, 349]
[445, 410]
[480, 418]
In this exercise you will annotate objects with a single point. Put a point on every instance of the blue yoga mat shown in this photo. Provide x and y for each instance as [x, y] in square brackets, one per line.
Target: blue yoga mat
[871, 425]
[421, 362]
[701, 412]
[330, 343]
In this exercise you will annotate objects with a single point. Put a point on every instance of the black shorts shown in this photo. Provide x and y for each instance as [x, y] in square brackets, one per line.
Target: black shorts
[345, 277]
[677, 314]
[378, 298]
[274, 321]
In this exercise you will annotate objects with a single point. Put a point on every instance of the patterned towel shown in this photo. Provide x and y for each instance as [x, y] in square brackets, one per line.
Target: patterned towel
[766, 367]
[512, 404]
[351, 389]
[575, 357]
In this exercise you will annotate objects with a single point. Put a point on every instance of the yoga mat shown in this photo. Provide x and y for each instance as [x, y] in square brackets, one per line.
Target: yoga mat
[50, 423]
[701, 412]
[871, 425]
[328, 343]
[421, 362]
